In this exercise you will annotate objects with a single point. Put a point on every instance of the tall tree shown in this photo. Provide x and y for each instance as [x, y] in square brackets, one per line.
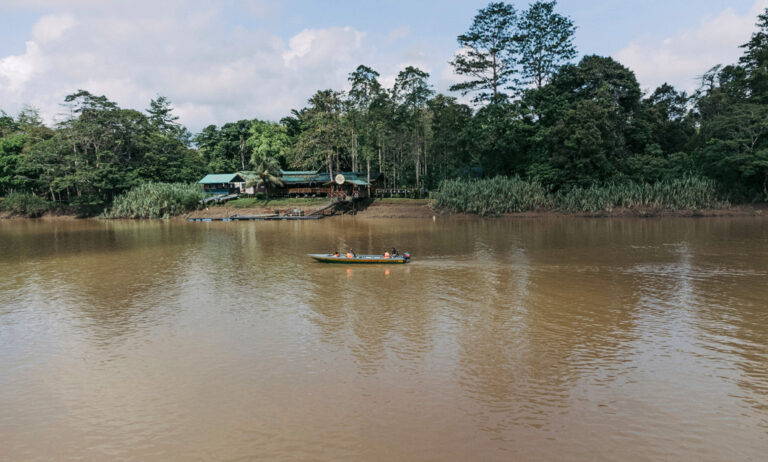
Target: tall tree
[448, 151]
[269, 145]
[488, 56]
[755, 59]
[586, 112]
[161, 115]
[412, 92]
[364, 88]
[10, 156]
[225, 149]
[324, 135]
[268, 140]
[546, 42]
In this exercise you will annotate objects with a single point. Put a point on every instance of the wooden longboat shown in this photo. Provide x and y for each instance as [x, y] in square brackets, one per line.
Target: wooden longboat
[362, 259]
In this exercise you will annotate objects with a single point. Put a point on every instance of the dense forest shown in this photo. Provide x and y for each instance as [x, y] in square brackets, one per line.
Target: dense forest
[535, 114]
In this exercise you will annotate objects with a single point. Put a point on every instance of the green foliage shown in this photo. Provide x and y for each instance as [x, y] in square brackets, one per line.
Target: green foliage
[572, 127]
[493, 196]
[546, 42]
[688, 193]
[324, 133]
[26, 204]
[225, 149]
[510, 195]
[157, 200]
[488, 55]
[10, 155]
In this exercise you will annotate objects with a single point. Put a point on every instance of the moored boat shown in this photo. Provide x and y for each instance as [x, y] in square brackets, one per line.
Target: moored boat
[362, 259]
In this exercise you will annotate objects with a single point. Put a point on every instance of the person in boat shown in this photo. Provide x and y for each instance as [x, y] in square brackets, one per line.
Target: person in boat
[351, 254]
[394, 252]
[335, 253]
[386, 254]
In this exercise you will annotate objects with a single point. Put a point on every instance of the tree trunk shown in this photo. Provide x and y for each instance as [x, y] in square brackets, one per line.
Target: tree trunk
[242, 153]
[354, 151]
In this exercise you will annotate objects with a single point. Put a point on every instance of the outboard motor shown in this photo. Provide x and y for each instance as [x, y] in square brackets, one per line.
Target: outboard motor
[406, 256]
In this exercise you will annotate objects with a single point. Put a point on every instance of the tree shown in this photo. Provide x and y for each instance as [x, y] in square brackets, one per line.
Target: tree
[412, 92]
[583, 118]
[546, 42]
[161, 115]
[268, 143]
[365, 87]
[755, 59]
[225, 149]
[324, 135]
[449, 148]
[10, 156]
[736, 153]
[268, 140]
[488, 56]
[7, 124]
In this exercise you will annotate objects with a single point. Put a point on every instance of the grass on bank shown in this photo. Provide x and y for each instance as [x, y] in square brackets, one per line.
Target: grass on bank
[248, 202]
[156, 200]
[511, 195]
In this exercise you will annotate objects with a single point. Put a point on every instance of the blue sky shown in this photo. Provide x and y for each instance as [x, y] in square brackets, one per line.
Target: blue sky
[222, 61]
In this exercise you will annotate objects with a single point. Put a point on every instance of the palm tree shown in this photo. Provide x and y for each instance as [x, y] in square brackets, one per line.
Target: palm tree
[267, 173]
[268, 142]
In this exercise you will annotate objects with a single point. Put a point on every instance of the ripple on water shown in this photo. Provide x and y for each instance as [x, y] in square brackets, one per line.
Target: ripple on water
[504, 339]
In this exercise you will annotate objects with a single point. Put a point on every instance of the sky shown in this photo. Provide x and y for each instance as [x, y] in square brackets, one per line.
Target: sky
[223, 61]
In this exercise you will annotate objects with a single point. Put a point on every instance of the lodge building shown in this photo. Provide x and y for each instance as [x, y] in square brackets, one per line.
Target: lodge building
[308, 183]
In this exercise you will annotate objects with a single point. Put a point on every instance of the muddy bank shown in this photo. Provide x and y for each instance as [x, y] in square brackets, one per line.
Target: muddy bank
[648, 212]
[421, 209]
[46, 216]
[402, 209]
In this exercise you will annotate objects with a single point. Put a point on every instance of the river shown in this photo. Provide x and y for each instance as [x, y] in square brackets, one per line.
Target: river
[504, 339]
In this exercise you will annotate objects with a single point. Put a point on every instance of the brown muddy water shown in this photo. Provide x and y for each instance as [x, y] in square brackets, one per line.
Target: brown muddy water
[505, 339]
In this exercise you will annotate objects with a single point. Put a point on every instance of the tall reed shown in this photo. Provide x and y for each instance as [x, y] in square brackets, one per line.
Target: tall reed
[508, 195]
[156, 200]
[491, 196]
[687, 193]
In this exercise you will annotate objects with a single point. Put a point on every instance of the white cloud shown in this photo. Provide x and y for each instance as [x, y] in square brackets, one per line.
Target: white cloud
[52, 27]
[681, 58]
[17, 70]
[397, 34]
[213, 73]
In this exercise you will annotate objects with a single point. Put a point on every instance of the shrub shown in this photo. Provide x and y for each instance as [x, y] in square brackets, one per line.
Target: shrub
[27, 204]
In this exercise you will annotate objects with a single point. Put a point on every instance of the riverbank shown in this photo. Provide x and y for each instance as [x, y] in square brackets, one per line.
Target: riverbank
[421, 208]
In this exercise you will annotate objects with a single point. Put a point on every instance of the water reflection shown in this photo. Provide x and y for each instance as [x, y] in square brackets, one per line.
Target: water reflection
[536, 339]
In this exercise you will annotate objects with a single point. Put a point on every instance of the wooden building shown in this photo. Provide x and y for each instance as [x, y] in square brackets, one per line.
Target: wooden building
[320, 183]
[314, 183]
[223, 183]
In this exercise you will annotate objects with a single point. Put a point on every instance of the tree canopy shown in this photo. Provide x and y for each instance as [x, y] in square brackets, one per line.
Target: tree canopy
[537, 115]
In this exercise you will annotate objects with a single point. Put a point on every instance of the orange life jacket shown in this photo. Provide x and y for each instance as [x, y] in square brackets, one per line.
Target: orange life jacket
[349, 255]
[386, 254]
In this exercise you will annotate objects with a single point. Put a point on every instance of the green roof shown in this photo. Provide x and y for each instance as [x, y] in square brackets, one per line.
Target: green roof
[219, 178]
[297, 172]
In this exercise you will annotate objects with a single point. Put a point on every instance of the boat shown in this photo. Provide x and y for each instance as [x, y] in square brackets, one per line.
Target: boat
[362, 259]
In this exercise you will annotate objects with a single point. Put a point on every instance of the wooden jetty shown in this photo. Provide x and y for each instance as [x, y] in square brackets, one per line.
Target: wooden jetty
[261, 218]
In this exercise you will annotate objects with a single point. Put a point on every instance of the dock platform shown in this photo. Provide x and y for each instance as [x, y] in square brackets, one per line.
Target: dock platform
[259, 218]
